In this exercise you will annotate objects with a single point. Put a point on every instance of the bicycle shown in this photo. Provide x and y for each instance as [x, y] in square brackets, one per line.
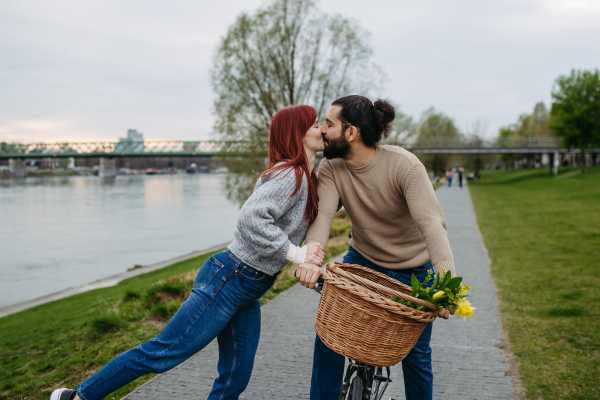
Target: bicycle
[366, 384]
[369, 383]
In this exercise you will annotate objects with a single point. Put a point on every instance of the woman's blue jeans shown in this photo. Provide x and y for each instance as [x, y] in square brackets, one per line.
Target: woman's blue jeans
[225, 304]
[328, 366]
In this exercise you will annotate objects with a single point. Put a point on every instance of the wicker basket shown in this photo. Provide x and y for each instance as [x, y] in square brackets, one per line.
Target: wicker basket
[358, 319]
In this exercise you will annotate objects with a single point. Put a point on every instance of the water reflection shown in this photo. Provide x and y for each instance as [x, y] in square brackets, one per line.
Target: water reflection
[62, 232]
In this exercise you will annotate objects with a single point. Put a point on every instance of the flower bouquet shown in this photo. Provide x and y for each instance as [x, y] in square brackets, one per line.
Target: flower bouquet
[445, 292]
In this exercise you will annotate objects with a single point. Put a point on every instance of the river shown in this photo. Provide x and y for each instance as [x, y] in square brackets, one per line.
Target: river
[57, 233]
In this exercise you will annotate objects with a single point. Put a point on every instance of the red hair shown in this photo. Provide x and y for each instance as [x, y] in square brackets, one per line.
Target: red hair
[288, 127]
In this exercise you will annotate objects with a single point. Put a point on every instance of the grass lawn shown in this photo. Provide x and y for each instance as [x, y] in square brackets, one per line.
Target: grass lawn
[60, 344]
[543, 237]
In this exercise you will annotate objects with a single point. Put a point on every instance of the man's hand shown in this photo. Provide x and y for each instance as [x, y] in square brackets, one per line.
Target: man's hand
[308, 274]
[445, 313]
[315, 253]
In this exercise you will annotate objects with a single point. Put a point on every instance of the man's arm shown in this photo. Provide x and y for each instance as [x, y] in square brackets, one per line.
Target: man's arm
[427, 214]
[318, 232]
[329, 199]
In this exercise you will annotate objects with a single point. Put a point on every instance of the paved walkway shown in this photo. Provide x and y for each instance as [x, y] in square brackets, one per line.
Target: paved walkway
[467, 360]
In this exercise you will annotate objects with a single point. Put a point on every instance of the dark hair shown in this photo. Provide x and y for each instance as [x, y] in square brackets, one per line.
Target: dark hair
[374, 121]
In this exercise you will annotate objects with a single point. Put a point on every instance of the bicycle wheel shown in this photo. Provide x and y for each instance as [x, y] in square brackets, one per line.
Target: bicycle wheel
[356, 388]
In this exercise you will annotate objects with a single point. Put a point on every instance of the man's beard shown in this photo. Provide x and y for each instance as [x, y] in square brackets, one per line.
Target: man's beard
[337, 148]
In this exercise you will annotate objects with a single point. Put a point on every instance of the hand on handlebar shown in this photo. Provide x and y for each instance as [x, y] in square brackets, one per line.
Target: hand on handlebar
[314, 254]
[307, 274]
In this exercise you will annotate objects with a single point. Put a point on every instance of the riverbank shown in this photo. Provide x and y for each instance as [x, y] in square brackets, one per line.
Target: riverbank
[61, 343]
[102, 283]
[543, 237]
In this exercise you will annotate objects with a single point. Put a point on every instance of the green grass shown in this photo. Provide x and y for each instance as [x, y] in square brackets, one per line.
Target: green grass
[543, 237]
[60, 344]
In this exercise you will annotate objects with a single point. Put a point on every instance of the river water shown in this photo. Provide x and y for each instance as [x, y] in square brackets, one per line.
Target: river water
[57, 233]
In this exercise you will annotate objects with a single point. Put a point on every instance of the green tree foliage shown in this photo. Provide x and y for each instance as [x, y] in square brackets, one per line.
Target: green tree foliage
[285, 53]
[576, 110]
[534, 124]
[474, 137]
[506, 132]
[404, 129]
[434, 125]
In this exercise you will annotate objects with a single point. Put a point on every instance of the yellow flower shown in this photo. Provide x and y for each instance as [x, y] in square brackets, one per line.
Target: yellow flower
[438, 294]
[464, 308]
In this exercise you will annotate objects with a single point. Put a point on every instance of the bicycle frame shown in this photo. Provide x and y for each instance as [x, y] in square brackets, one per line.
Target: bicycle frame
[372, 378]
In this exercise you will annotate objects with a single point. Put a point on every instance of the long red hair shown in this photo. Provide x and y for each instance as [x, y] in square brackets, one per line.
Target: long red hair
[288, 127]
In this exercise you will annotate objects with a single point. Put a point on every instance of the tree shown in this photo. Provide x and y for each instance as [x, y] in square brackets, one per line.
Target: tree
[404, 129]
[536, 123]
[285, 53]
[507, 159]
[436, 125]
[575, 112]
[474, 138]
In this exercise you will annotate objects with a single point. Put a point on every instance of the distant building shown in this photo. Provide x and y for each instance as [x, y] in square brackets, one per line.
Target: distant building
[133, 143]
[133, 136]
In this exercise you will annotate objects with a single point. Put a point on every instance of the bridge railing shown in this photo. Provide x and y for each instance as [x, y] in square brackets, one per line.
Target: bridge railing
[119, 149]
[212, 147]
[502, 142]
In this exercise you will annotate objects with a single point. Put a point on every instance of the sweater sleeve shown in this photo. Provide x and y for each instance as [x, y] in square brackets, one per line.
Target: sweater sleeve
[329, 199]
[270, 200]
[427, 214]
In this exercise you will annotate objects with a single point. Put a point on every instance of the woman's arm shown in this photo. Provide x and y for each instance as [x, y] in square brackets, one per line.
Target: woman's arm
[270, 200]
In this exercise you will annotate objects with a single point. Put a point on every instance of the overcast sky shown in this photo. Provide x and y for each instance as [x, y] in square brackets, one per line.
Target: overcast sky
[81, 70]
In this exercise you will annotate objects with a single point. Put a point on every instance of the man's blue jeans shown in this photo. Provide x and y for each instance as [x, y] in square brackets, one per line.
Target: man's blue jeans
[328, 366]
[224, 303]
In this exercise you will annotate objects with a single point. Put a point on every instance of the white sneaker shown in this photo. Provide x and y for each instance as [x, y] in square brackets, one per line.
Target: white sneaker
[63, 394]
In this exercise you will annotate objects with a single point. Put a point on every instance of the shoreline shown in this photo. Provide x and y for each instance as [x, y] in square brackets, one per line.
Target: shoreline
[112, 280]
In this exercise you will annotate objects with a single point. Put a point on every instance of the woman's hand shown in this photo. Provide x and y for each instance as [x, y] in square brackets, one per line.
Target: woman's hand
[315, 254]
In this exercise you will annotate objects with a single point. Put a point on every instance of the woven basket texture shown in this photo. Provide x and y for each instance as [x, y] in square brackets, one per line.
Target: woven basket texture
[358, 319]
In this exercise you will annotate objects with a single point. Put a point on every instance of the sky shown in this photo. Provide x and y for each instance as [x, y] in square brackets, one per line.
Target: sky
[80, 70]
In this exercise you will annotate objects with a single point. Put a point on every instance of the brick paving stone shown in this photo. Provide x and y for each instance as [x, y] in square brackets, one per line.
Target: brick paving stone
[467, 362]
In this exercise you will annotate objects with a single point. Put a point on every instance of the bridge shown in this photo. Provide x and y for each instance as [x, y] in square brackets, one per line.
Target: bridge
[107, 151]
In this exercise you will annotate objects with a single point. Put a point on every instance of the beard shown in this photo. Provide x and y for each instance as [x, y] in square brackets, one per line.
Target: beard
[337, 148]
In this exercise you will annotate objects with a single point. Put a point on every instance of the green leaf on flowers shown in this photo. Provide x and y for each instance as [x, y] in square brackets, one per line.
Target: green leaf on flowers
[426, 296]
[440, 299]
[435, 281]
[415, 284]
[450, 294]
[447, 278]
[454, 283]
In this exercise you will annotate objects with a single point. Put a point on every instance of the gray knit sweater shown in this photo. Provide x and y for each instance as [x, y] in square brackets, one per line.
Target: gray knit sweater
[269, 221]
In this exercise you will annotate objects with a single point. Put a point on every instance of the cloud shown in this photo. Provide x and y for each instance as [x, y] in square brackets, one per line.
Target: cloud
[81, 70]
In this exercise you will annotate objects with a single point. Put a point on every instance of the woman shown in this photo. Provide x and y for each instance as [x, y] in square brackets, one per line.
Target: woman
[224, 302]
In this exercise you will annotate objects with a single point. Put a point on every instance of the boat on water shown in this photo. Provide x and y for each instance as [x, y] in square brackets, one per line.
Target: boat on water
[151, 171]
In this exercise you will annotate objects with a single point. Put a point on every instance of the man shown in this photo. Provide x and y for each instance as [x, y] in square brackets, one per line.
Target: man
[398, 227]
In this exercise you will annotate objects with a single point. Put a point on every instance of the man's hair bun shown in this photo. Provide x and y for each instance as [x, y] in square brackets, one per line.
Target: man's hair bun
[384, 114]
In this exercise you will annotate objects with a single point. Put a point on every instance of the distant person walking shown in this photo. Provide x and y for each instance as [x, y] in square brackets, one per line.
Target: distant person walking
[449, 176]
[461, 170]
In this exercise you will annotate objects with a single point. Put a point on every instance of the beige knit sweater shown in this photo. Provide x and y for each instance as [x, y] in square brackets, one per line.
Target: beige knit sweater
[397, 222]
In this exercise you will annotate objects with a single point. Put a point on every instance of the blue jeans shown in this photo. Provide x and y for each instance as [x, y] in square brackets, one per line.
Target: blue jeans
[328, 366]
[224, 303]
